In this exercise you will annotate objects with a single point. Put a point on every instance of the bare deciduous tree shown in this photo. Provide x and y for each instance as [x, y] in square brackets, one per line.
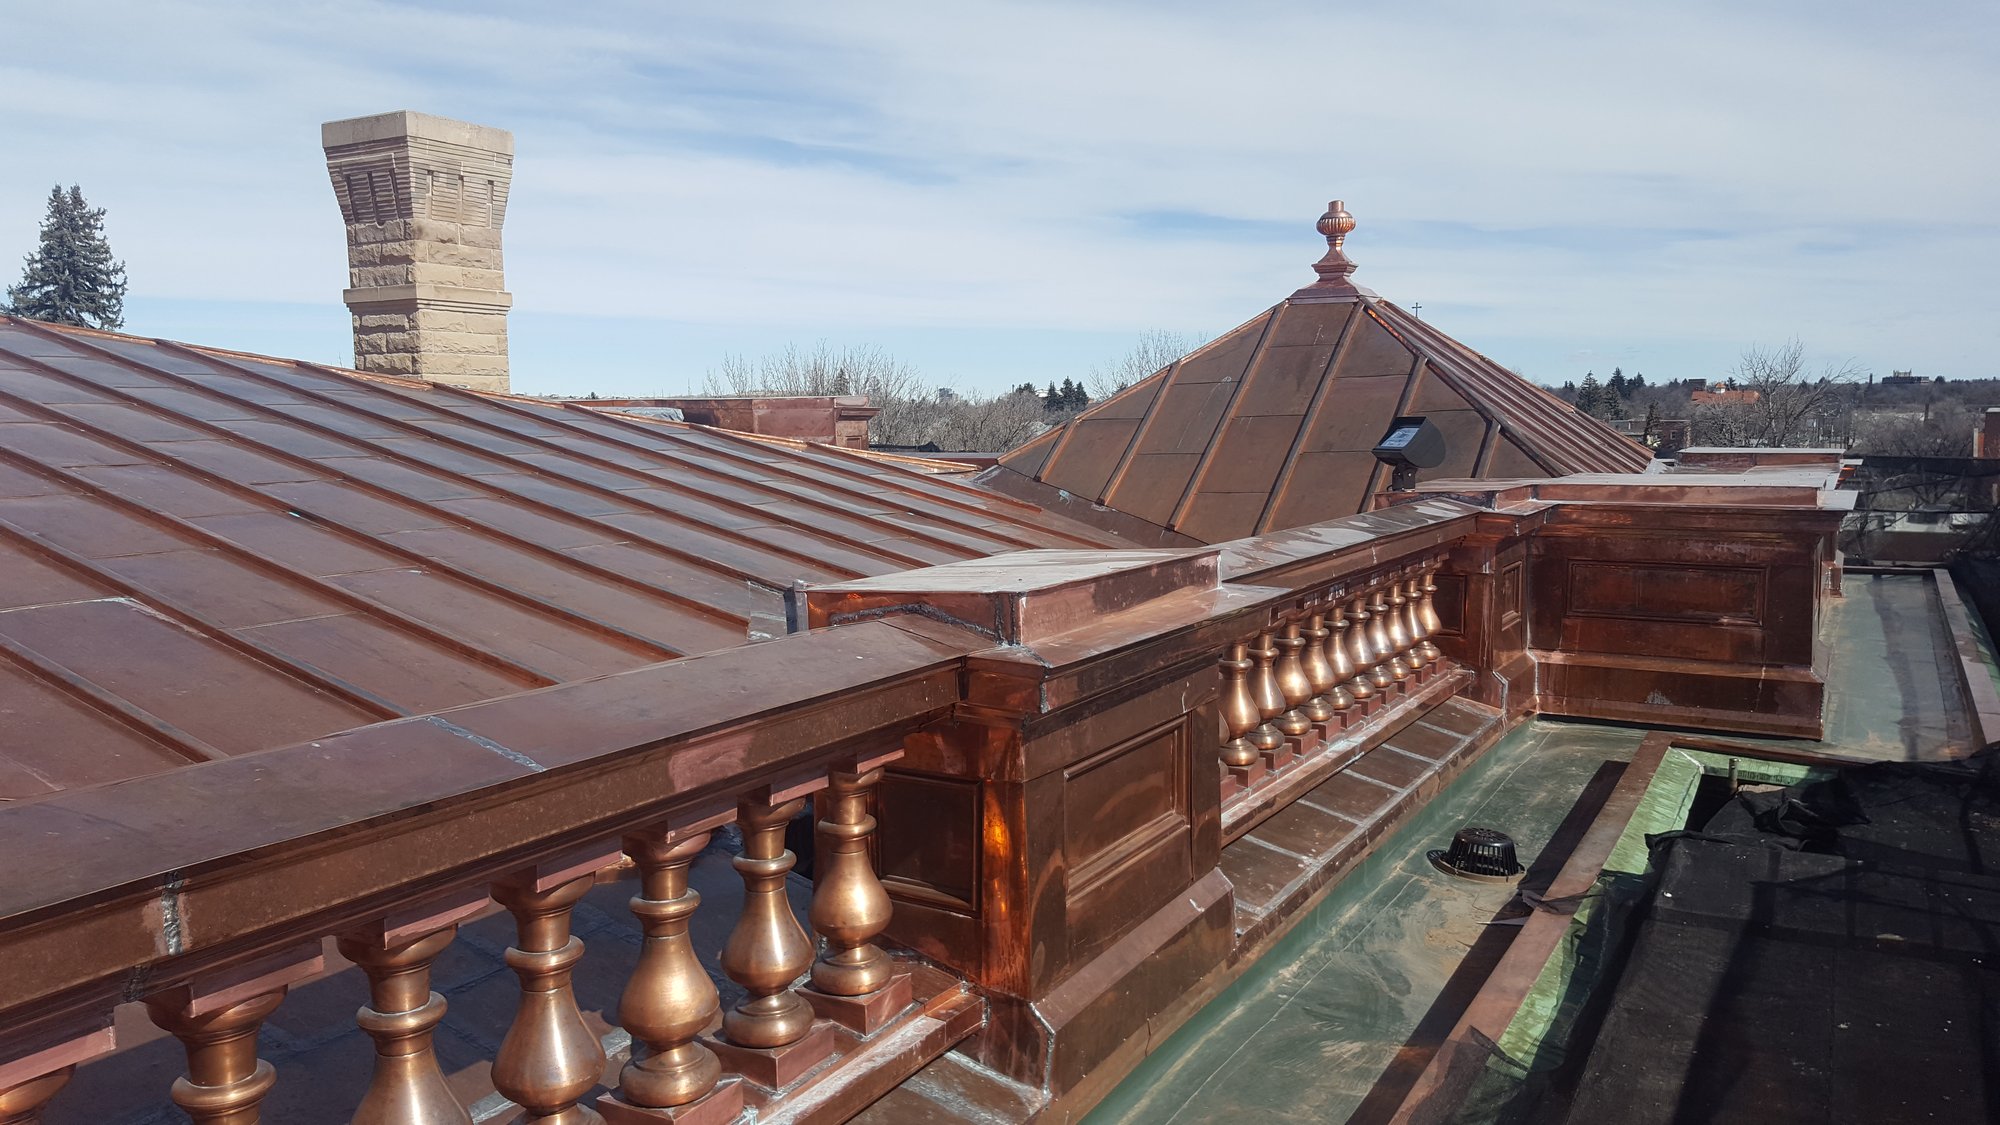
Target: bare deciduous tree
[1940, 430]
[1784, 406]
[1154, 350]
[915, 411]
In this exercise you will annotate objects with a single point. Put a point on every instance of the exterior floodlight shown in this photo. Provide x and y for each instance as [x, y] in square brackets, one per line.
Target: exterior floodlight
[1412, 443]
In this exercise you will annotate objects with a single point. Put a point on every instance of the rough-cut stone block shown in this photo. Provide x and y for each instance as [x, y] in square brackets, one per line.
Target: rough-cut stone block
[433, 230]
[398, 364]
[454, 254]
[367, 277]
[447, 367]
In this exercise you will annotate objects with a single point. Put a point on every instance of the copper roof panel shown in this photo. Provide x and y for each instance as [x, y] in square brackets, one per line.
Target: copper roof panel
[1153, 485]
[217, 697]
[222, 590]
[1307, 325]
[1322, 486]
[20, 482]
[1374, 350]
[508, 631]
[51, 443]
[240, 464]
[414, 675]
[161, 489]
[1508, 460]
[635, 603]
[1360, 413]
[1223, 359]
[1464, 433]
[27, 578]
[1284, 380]
[1186, 418]
[77, 525]
[1249, 455]
[1434, 394]
[296, 543]
[1216, 516]
[1132, 402]
[48, 730]
[1101, 445]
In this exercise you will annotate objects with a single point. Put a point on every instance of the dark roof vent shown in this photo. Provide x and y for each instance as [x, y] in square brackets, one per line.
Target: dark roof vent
[1484, 854]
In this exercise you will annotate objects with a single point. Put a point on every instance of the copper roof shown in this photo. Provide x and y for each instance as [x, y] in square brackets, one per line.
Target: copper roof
[205, 553]
[1270, 426]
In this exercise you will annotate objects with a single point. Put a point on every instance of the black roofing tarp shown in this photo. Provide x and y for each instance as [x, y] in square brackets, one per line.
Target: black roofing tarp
[1824, 953]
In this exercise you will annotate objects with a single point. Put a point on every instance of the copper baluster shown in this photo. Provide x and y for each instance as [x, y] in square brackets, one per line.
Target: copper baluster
[549, 1058]
[1385, 673]
[1290, 673]
[669, 1000]
[1401, 641]
[1399, 629]
[768, 949]
[849, 906]
[1427, 613]
[1239, 709]
[408, 1088]
[1265, 692]
[1338, 655]
[22, 1103]
[226, 1082]
[1413, 625]
[1361, 651]
[1319, 669]
[854, 983]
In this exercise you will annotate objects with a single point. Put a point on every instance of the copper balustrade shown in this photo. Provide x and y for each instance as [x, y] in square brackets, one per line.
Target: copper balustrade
[679, 1071]
[1331, 660]
[1315, 665]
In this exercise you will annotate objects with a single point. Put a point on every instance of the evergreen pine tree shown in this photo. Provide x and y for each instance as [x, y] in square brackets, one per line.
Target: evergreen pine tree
[1616, 385]
[1053, 400]
[1637, 382]
[70, 278]
[1652, 426]
[1590, 396]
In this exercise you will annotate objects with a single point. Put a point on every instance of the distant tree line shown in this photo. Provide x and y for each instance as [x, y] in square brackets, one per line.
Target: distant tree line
[916, 410]
[1780, 402]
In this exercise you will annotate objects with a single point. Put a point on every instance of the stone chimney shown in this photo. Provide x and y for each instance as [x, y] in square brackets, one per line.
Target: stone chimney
[424, 198]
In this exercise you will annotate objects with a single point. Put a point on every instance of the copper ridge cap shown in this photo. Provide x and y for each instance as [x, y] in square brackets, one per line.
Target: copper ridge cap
[1335, 268]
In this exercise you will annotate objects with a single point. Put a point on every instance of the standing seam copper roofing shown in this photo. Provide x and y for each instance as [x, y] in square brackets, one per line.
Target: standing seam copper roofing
[1269, 426]
[206, 553]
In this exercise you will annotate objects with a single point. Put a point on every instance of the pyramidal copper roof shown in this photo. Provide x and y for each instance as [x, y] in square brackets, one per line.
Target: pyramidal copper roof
[1270, 426]
[205, 553]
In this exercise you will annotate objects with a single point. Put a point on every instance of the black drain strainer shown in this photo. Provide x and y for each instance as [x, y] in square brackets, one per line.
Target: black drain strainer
[1483, 854]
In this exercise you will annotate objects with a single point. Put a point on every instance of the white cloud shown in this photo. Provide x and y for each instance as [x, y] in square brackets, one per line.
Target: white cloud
[1687, 176]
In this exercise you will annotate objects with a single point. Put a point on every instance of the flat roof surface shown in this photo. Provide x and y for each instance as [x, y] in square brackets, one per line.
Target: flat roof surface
[205, 554]
[1337, 1019]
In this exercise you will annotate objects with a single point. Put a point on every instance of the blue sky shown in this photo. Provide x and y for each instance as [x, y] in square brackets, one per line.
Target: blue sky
[1014, 192]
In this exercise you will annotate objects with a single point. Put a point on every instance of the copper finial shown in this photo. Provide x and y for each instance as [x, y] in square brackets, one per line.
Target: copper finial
[1336, 267]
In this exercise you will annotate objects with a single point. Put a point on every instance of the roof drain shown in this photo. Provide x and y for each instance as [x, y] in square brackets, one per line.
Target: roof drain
[1484, 855]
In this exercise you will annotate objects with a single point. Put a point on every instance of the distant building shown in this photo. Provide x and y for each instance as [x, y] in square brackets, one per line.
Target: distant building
[1720, 394]
[1986, 435]
[1901, 379]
